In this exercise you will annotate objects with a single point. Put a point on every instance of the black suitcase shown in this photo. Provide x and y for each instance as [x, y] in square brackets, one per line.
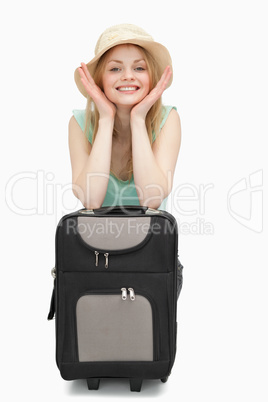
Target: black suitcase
[115, 295]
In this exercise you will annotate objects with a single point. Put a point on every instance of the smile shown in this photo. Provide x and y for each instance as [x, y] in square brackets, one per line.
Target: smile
[130, 88]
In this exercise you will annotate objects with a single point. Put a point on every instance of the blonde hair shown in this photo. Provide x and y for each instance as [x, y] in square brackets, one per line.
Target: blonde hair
[153, 118]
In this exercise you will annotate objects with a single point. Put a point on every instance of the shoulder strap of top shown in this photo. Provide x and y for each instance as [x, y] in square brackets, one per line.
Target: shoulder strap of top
[80, 117]
[165, 112]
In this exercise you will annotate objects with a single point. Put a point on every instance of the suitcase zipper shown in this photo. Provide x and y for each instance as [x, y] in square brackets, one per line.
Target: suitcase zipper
[106, 255]
[97, 258]
[131, 294]
[124, 293]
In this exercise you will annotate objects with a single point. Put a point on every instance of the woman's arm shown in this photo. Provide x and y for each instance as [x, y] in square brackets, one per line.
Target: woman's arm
[90, 163]
[153, 167]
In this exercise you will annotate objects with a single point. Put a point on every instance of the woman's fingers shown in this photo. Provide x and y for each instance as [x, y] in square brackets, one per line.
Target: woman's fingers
[144, 106]
[86, 85]
[87, 74]
[162, 83]
[105, 107]
[83, 76]
[87, 80]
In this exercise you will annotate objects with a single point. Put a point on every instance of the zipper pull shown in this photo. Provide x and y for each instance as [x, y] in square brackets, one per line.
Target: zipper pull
[132, 294]
[106, 255]
[97, 258]
[124, 293]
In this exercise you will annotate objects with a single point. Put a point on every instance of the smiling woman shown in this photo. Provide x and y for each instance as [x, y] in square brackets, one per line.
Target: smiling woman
[126, 141]
[125, 74]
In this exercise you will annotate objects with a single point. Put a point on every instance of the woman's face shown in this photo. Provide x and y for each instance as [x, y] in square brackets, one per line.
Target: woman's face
[126, 79]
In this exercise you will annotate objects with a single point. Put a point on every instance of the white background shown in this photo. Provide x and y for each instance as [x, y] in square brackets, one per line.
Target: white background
[219, 51]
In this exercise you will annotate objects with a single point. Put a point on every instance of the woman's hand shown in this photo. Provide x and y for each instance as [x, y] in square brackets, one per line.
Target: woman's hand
[142, 108]
[105, 107]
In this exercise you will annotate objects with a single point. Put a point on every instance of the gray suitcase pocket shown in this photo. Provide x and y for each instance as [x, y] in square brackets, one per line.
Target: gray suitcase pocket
[116, 326]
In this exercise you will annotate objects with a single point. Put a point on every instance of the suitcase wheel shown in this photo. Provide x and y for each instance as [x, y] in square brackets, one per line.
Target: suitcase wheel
[93, 383]
[135, 384]
[164, 379]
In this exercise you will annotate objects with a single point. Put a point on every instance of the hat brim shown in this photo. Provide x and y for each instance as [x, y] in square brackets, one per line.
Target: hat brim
[159, 53]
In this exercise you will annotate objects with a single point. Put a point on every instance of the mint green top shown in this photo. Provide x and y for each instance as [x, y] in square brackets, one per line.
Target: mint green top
[121, 192]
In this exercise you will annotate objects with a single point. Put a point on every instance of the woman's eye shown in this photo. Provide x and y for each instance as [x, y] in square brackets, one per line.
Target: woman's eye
[117, 69]
[139, 68]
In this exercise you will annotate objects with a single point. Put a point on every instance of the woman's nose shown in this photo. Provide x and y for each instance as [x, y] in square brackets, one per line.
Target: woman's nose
[127, 74]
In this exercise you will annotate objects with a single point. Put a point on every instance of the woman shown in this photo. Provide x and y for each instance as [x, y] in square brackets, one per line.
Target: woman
[124, 147]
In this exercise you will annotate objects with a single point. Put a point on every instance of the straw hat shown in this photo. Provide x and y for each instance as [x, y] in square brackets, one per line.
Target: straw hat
[121, 34]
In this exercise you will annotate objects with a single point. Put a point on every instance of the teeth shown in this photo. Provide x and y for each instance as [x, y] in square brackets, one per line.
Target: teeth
[127, 89]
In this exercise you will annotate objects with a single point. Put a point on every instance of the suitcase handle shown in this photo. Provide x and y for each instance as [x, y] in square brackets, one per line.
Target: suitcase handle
[120, 210]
